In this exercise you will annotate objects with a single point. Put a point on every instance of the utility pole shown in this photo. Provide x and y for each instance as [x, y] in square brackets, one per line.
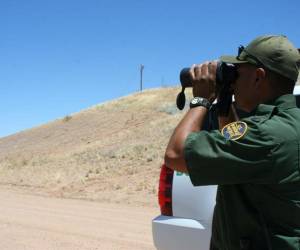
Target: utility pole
[141, 82]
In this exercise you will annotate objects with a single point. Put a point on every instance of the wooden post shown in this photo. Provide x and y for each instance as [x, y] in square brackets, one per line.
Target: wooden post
[141, 82]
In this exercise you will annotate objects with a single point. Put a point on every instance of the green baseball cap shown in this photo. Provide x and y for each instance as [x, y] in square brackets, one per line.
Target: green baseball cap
[272, 52]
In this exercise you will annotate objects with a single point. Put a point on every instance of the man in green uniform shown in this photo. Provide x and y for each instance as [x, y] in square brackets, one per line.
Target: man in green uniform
[255, 160]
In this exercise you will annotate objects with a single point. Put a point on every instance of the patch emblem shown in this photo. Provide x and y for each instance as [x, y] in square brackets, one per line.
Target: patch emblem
[234, 130]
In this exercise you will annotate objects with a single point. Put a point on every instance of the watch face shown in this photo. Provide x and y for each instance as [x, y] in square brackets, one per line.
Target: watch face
[200, 101]
[196, 100]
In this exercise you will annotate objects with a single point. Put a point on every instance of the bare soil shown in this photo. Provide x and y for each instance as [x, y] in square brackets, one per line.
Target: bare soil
[30, 222]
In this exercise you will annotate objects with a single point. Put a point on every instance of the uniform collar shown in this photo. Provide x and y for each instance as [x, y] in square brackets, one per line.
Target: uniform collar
[283, 102]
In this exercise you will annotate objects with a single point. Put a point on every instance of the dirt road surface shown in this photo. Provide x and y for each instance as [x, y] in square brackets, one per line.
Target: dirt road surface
[29, 222]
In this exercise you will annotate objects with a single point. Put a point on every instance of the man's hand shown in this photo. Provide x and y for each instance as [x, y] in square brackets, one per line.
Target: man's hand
[203, 78]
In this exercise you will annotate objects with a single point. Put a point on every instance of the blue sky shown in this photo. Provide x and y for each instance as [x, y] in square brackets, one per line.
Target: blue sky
[58, 57]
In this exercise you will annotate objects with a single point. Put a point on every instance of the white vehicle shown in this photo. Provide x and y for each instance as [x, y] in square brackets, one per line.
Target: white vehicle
[186, 211]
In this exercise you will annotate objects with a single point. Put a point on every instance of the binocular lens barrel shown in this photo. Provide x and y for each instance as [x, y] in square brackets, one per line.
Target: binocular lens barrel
[185, 79]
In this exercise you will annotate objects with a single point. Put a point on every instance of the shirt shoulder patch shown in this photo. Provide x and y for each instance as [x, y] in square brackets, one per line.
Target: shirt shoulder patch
[234, 131]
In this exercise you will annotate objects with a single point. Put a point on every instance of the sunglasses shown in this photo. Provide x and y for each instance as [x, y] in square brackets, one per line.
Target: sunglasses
[243, 49]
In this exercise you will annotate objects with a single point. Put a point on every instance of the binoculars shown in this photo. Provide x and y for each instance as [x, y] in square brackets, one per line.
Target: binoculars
[226, 74]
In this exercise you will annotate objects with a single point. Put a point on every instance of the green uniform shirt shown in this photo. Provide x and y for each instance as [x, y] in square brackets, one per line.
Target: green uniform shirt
[258, 198]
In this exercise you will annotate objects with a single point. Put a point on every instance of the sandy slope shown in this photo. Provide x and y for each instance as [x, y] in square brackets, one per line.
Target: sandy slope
[111, 152]
[34, 222]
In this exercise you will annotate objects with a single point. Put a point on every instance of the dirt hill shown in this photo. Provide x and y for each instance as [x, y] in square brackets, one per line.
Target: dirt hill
[111, 152]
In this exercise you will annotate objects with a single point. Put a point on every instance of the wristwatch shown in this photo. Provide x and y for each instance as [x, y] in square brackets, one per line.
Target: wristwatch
[200, 101]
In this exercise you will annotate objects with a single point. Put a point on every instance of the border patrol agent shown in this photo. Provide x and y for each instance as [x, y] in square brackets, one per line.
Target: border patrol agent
[254, 160]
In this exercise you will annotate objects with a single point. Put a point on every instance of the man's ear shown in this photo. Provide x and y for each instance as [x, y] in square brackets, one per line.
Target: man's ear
[260, 76]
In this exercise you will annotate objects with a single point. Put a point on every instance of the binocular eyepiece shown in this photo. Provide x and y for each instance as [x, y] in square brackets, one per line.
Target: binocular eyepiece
[226, 74]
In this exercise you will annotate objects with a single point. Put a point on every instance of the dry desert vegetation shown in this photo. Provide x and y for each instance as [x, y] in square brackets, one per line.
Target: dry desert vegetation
[111, 152]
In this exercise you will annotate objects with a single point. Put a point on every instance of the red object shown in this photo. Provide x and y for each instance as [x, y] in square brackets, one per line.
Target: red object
[165, 190]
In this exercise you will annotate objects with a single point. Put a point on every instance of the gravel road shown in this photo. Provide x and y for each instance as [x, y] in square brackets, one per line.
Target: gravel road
[30, 222]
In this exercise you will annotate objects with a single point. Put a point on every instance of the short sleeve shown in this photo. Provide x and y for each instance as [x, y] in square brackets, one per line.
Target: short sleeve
[213, 159]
